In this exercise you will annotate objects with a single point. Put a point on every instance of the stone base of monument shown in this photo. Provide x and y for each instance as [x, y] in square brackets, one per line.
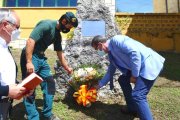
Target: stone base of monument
[104, 94]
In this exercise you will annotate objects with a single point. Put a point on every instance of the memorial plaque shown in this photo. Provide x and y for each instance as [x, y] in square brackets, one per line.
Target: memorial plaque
[93, 28]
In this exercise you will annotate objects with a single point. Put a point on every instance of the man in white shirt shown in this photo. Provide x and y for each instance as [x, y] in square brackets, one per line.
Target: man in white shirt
[9, 30]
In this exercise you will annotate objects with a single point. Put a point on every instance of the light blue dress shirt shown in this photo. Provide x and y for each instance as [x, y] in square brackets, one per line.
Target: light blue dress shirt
[128, 54]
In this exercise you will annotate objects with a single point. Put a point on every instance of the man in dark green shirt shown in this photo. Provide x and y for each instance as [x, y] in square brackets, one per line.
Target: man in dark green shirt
[45, 33]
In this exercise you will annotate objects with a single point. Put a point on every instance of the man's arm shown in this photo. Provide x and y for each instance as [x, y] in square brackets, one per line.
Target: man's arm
[29, 51]
[131, 49]
[16, 91]
[108, 76]
[63, 62]
[128, 46]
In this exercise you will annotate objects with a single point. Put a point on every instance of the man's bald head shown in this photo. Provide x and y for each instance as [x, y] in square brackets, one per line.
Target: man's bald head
[9, 16]
[9, 25]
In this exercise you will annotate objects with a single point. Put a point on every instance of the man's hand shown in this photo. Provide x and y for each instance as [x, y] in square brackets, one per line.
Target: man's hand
[30, 67]
[63, 62]
[69, 70]
[97, 87]
[29, 93]
[133, 79]
[16, 91]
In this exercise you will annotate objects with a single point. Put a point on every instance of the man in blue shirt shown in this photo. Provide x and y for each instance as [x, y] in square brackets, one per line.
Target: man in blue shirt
[139, 65]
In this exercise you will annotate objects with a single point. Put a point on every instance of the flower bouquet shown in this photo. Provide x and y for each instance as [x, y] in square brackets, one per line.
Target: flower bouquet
[83, 80]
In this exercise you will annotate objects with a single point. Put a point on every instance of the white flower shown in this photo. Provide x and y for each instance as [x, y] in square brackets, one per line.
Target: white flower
[81, 72]
[89, 69]
[87, 76]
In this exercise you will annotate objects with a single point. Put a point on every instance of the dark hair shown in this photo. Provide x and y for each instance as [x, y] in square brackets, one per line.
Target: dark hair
[97, 39]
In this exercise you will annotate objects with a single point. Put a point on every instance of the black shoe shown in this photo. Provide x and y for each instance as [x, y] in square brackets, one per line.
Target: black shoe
[52, 117]
[127, 112]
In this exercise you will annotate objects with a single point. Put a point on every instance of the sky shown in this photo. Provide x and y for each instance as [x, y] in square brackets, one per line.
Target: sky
[135, 6]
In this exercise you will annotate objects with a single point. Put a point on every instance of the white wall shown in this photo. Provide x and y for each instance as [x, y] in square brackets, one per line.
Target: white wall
[111, 5]
[22, 42]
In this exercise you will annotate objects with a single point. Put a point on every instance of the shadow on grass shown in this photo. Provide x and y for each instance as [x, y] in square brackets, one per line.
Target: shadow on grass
[171, 69]
[101, 111]
[98, 110]
[19, 112]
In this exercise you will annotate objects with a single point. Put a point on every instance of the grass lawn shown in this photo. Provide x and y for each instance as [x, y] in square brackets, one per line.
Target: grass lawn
[164, 98]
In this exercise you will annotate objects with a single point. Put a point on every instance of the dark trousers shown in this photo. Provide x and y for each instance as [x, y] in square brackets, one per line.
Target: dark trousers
[47, 86]
[136, 99]
[4, 110]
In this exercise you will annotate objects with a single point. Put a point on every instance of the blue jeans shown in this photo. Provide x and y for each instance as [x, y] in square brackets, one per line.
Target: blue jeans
[47, 86]
[136, 99]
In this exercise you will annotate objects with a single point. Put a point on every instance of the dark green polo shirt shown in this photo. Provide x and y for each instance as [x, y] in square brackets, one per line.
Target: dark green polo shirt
[45, 33]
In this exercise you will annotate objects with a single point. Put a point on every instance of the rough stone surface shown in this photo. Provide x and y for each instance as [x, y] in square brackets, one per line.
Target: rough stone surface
[79, 51]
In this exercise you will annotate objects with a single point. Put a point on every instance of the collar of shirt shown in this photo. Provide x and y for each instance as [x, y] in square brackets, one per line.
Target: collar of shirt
[3, 43]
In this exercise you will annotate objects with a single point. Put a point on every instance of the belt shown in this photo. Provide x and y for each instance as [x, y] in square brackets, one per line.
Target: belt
[39, 52]
[5, 100]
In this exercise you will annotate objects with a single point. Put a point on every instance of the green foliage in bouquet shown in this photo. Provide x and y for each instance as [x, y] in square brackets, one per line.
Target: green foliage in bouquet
[86, 75]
